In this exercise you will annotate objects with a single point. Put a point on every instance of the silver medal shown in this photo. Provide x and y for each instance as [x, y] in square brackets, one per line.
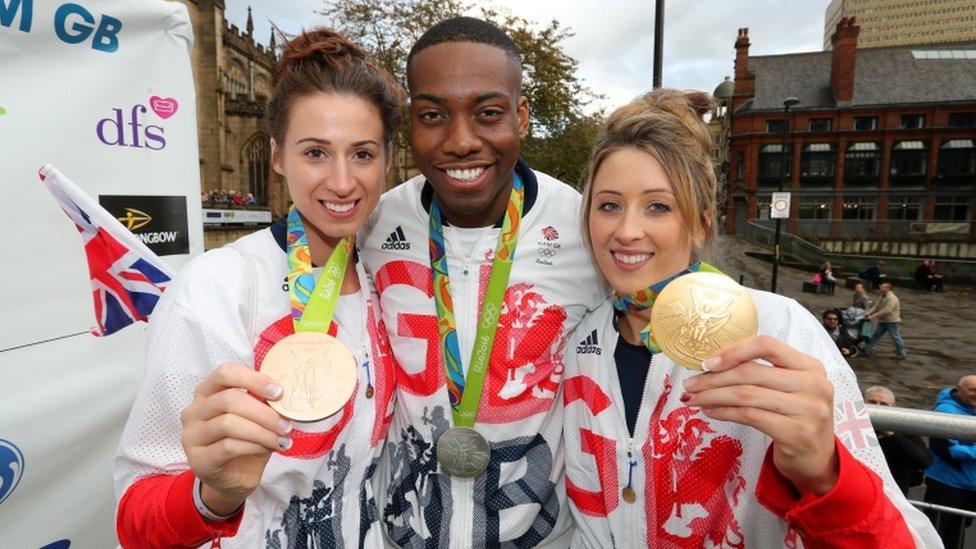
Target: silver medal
[463, 452]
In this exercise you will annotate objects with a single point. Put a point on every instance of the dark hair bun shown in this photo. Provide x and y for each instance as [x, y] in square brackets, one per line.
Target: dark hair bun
[321, 46]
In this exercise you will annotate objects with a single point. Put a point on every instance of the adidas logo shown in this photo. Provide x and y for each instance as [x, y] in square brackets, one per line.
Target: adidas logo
[589, 346]
[396, 241]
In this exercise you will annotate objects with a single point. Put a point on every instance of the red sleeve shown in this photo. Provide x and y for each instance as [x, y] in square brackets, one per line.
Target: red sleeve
[158, 511]
[855, 513]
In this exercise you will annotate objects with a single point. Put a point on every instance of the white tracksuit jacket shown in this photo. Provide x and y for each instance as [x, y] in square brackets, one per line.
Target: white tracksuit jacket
[696, 479]
[231, 305]
[520, 500]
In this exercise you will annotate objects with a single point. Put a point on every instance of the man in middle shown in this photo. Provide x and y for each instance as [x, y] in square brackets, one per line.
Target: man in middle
[482, 275]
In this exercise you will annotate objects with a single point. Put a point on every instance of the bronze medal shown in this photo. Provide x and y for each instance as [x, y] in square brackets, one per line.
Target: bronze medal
[317, 373]
[700, 313]
[463, 452]
[629, 495]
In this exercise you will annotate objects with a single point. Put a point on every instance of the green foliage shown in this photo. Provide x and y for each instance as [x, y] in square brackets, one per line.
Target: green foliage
[561, 133]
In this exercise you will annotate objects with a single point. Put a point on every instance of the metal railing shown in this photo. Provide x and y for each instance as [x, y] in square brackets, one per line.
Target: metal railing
[922, 422]
[932, 424]
[873, 229]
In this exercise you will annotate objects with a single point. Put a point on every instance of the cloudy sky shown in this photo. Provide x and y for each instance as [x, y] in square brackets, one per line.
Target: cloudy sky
[614, 40]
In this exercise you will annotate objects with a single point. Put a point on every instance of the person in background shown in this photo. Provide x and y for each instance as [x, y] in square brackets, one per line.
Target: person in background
[251, 201]
[927, 278]
[861, 299]
[837, 332]
[827, 277]
[951, 480]
[888, 314]
[874, 274]
[907, 455]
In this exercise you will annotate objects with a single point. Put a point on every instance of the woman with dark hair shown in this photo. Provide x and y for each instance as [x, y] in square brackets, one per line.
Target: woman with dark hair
[772, 442]
[267, 388]
[827, 278]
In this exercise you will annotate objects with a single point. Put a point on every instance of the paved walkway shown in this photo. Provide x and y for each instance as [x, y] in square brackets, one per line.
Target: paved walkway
[939, 329]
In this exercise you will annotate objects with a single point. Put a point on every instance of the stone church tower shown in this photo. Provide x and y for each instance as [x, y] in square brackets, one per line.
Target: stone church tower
[232, 74]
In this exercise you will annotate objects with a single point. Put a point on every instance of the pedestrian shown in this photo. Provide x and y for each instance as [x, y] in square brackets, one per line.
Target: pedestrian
[251, 201]
[483, 275]
[874, 274]
[951, 480]
[907, 455]
[888, 314]
[200, 460]
[927, 278]
[827, 278]
[744, 454]
[838, 333]
[860, 299]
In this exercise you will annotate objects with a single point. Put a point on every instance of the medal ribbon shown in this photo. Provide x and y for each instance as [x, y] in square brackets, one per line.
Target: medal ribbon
[644, 299]
[465, 394]
[313, 302]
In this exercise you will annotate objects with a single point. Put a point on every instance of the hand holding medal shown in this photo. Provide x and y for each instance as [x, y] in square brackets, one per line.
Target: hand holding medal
[229, 436]
[706, 323]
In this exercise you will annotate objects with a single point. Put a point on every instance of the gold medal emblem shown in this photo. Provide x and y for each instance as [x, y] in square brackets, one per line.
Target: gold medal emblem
[698, 314]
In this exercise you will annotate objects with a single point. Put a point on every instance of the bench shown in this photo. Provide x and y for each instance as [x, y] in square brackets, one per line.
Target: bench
[811, 288]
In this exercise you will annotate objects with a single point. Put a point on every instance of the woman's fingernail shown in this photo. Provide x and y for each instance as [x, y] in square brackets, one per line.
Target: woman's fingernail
[685, 397]
[284, 426]
[709, 364]
[273, 390]
[690, 383]
[284, 443]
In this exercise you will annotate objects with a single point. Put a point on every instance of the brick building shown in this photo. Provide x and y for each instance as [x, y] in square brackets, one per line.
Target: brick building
[883, 139]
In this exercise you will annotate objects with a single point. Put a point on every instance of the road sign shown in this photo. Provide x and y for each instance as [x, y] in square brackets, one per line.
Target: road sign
[780, 206]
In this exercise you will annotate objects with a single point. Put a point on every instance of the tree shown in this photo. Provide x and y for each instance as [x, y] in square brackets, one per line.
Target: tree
[561, 133]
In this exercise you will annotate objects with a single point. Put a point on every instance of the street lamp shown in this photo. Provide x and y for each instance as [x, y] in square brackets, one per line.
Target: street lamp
[787, 103]
[658, 41]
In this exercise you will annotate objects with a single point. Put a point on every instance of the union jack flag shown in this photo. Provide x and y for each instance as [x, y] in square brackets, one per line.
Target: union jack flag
[853, 426]
[127, 277]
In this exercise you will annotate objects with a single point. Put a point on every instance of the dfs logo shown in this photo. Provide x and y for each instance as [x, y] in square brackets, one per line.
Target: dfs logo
[118, 131]
[11, 468]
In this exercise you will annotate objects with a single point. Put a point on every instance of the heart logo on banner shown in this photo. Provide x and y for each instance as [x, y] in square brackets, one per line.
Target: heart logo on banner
[164, 107]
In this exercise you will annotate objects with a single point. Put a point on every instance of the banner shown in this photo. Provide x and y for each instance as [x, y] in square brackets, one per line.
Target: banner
[103, 90]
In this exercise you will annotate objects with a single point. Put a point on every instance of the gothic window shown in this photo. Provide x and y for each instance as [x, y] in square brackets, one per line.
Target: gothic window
[257, 159]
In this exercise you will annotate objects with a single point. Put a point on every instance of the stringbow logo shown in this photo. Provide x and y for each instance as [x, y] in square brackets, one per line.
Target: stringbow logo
[134, 219]
[133, 127]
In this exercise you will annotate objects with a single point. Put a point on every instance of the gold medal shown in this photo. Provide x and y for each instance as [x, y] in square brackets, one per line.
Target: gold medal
[316, 372]
[629, 495]
[700, 313]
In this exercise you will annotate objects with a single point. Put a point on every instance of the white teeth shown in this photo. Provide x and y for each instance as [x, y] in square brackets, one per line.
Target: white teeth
[339, 208]
[466, 175]
[631, 259]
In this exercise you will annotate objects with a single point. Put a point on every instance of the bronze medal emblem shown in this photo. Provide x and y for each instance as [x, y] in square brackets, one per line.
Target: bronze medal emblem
[317, 373]
[698, 314]
[629, 495]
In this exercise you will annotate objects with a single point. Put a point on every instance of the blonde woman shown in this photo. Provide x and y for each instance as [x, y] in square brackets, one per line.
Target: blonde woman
[747, 454]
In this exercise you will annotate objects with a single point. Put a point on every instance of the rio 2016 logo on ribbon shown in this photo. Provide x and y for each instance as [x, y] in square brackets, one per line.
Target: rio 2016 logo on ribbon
[117, 131]
[11, 468]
